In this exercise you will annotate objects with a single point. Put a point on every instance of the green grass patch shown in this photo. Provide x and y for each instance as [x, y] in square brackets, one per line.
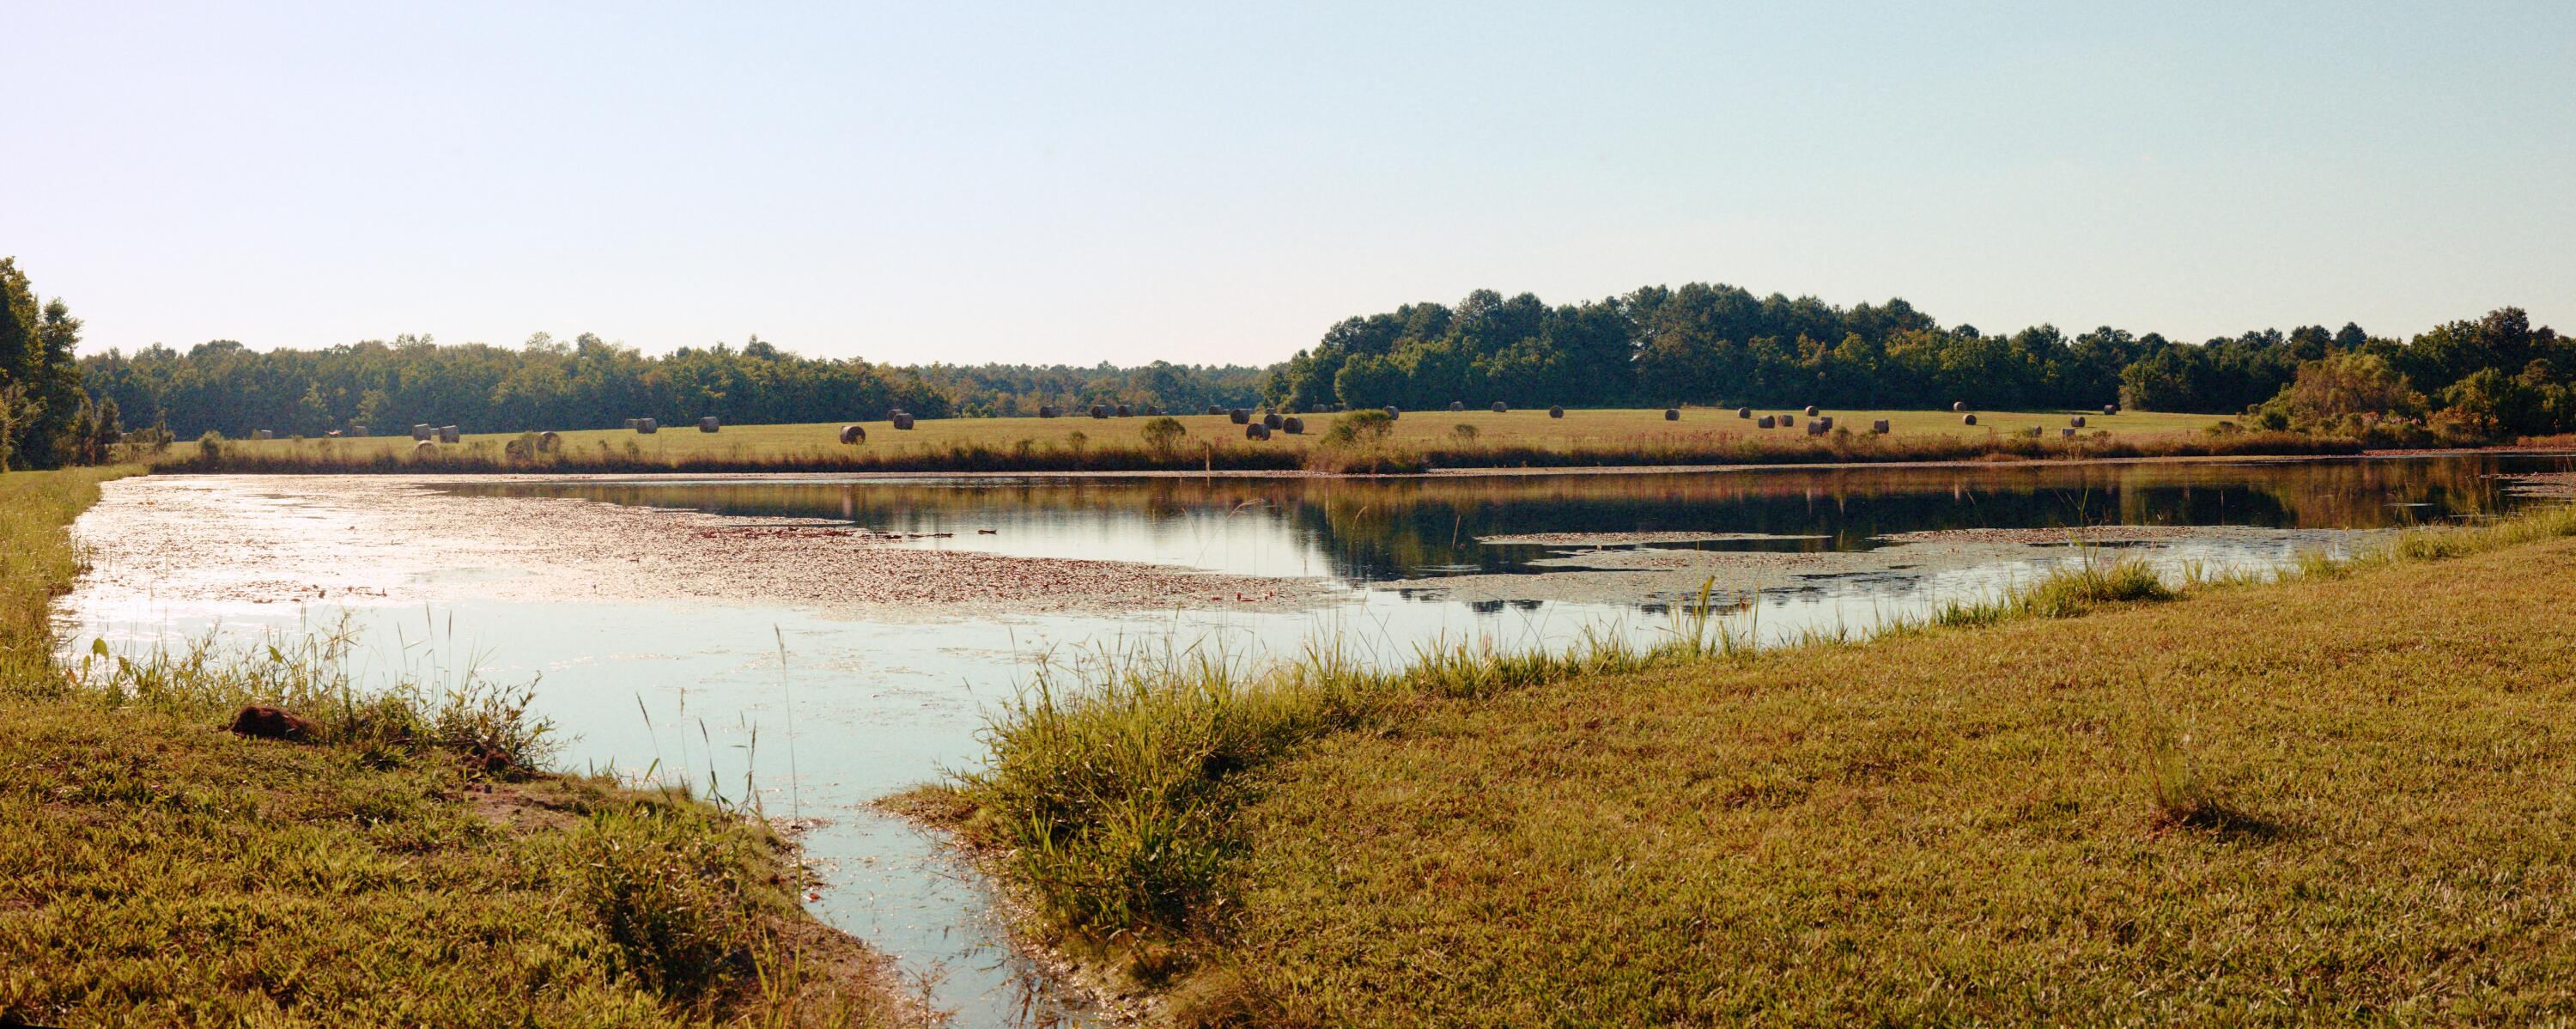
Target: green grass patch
[410, 865]
[2313, 799]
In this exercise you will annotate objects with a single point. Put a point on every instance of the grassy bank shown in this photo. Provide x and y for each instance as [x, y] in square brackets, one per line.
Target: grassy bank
[2337, 797]
[1429, 439]
[406, 865]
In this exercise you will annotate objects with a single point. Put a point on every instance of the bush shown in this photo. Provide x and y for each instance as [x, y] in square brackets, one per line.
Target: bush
[210, 447]
[1162, 434]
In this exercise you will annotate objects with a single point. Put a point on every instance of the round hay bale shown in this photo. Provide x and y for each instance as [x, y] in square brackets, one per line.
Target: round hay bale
[357, 430]
[1765, 422]
[1392, 414]
[1672, 414]
[902, 420]
[1958, 406]
[1968, 420]
[2110, 409]
[1124, 411]
[853, 434]
[2077, 421]
[1502, 408]
[2066, 434]
[1240, 416]
[1826, 421]
[1294, 425]
[1554, 411]
[262, 434]
[1046, 410]
[648, 426]
[549, 441]
[1788, 420]
[423, 431]
[449, 434]
[709, 424]
[1816, 426]
[1811, 410]
[424, 448]
[1879, 426]
[1271, 420]
[1099, 411]
[1457, 405]
[1216, 409]
[1744, 412]
[1256, 430]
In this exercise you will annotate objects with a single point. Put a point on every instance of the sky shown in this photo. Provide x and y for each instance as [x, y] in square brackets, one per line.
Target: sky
[1214, 183]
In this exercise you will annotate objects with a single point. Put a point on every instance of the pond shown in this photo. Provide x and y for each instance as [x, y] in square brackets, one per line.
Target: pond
[813, 644]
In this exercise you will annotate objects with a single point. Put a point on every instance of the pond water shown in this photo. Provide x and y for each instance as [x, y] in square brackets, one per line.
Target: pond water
[813, 644]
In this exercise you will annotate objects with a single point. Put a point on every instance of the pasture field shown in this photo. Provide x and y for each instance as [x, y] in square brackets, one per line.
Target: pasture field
[1068, 440]
[2339, 797]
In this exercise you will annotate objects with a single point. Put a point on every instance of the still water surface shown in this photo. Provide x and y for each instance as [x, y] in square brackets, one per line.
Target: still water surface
[815, 712]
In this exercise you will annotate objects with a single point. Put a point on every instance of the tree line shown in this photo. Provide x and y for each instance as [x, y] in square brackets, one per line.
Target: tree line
[1694, 344]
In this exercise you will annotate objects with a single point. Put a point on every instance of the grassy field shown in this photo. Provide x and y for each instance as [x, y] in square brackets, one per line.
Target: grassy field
[2343, 797]
[1420, 439]
[404, 867]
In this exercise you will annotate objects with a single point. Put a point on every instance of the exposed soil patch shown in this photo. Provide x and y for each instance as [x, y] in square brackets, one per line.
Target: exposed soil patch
[1612, 539]
[325, 538]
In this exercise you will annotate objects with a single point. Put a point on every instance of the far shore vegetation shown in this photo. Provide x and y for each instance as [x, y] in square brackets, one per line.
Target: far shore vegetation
[408, 860]
[1704, 350]
[1364, 441]
[2108, 797]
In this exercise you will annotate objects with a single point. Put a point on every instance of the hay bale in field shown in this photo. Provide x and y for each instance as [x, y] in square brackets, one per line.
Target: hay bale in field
[1554, 411]
[1293, 425]
[1672, 414]
[1744, 412]
[1239, 416]
[424, 448]
[1392, 414]
[2077, 421]
[1271, 420]
[549, 441]
[1811, 410]
[648, 426]
[1256, 430]
[902, 420]
[262, 434]
[1764, 422]
[1502, 408]
[1879, 426]
[1788, 421]
[1968, 420]
[1958, 406]
[1123, 411]
[1216, 409]
[709, 424]
[423, 430]
[853, 434]
[1457, 405]
[630, 423]
[1815, 426]
[449, 434]
[1827, 421]
[1046, 410]
[357, 430]
[2066, 434]
[2110, 409]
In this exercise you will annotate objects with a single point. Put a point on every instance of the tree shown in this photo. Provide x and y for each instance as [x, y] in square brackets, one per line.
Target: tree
[38, 370]
[2342, 392]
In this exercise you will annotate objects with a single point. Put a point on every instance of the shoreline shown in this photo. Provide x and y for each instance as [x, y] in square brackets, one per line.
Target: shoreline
[684, 476]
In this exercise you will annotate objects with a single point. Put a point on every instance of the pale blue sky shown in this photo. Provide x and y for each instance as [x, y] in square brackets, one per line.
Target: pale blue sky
[1221, 182]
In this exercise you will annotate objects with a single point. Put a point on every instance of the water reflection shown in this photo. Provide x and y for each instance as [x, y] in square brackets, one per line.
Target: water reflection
[1384, 530]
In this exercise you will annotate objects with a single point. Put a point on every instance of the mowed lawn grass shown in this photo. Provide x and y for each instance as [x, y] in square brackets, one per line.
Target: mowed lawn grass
[1962, 826]
[1418, 429]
